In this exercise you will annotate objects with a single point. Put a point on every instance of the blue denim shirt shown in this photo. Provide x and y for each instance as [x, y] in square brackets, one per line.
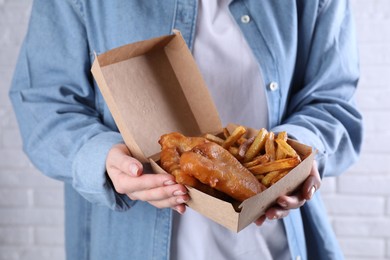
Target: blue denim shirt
[307, 48]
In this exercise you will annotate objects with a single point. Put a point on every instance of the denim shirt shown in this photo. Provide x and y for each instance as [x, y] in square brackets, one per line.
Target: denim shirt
[307, 55]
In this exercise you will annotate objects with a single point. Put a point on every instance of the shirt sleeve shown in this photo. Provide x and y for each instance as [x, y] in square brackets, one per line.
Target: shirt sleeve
[322, 111]
[54, 101]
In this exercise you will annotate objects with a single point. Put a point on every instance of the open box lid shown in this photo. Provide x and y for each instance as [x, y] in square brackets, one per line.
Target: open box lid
[154, 87]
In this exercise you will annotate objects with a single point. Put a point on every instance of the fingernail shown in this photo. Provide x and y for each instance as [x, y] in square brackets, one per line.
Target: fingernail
[169, 182]
[178, 210]
[273, 217]
[178, 193]
[181, 200]
[311, 192]
[283, 204]
[133, 169]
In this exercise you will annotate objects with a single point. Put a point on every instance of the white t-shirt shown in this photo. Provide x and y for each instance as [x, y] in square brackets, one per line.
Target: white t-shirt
[229, 67]
[234, 80]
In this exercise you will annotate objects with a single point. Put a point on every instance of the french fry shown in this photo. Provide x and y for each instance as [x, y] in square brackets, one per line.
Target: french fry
[286, 148]
[243, 148]
[279, 176]
[226, 133]
[237, 133]
[282, 164]
[234, 151]
[270, 146]
[256, 146]
[261, 159]
[280, 152]
[268, 156]
[267, 179]
[259, 177]
[282, 136]
[214, 138]
[241, 140]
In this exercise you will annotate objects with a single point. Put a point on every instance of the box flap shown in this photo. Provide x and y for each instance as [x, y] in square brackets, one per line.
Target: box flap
[262, 201]
[154, 87]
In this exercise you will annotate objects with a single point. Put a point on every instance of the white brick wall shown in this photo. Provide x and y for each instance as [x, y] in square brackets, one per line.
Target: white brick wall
[359, 205]
[31, 206]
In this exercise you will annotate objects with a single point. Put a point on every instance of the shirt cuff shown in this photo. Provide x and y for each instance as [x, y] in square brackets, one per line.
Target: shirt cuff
[89, 173]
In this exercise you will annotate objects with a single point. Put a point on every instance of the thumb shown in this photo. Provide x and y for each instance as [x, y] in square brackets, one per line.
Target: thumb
[119, 158]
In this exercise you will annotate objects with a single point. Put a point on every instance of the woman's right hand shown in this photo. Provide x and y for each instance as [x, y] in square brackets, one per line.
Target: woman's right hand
[127, 176]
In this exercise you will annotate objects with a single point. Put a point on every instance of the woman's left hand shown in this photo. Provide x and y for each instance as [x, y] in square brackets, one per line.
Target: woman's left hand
[295, 200]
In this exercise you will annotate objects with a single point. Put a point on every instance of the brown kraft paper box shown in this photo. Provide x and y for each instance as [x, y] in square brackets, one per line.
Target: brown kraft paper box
[154, 87]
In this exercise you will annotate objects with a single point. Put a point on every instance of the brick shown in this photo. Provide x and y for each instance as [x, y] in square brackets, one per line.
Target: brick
[369, 98]
[51, 198]
[31, 216]
[354, 205]
[328, 185]
[388, 249]
[364, 185]
[366, 227]
[5, 84]
[11, 139]
[377, 143]
[388, 207]
[375, 121]
[31, 253]
[49, 236]
[9, 119]
[13, 159]
[12, 35]
[376, 58]
[365, 258]
[7, 12]
[27, 178]
[361, 247]
[8, 57]
[14, 197]
[9, 253]
[3, 114]
[376, 10]
[372, 163]
[43, 253]
[16, 235]
[1, 141]
[371, 31]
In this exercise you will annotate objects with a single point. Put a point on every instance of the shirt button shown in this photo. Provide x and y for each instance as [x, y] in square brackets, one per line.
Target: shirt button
[273, 86]
[245, 19]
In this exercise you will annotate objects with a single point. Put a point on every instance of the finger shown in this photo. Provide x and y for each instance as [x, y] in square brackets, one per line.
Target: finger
[276, 213]
[260, 220]
[291, 202]
[172, 202]
[126, 184]
[119, 158]
[312, 183]
[159, 193]
[181, 208]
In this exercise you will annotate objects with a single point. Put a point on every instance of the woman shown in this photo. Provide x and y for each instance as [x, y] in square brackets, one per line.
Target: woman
[292, 63]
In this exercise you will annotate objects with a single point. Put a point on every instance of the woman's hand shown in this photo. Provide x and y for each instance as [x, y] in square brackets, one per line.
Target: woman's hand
[295, 200]
[127, 176]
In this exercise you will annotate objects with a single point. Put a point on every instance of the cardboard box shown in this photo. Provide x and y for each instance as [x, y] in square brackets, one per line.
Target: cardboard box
[154, 87]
